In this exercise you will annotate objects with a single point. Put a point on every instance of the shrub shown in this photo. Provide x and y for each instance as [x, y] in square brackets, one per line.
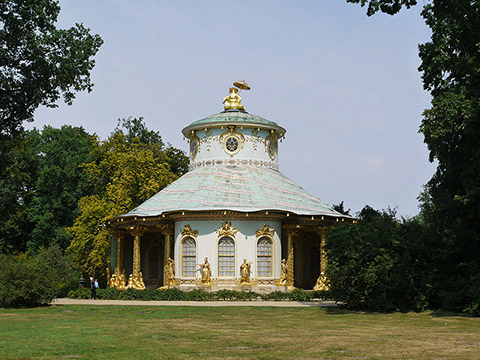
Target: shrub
[26, 281]
[54, 258]
[474, 296]
[276, 296]
[106, 294]
[198, 295]
[80, 293]
[300, 295]
[381, 264]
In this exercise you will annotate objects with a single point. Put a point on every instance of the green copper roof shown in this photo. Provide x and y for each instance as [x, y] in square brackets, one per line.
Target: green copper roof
[235, 188]
[233, 117]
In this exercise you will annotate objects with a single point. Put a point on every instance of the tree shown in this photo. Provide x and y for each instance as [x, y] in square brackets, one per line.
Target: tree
[18, 171]
[38, 62]
[125, 173]
[339, 208]
[381, 264]
[40, 185]
[60, 183]
[451, 73]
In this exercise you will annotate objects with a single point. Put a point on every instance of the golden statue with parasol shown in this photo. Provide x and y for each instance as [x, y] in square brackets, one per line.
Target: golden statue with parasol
[233, 100]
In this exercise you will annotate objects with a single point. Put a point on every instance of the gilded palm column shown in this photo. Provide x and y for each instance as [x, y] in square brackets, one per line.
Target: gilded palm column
[135, 280]
[118, 278]
[322, 282]
[167, 232]
[292, 232]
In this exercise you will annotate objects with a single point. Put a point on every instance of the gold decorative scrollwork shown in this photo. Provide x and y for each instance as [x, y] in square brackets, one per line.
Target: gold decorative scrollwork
[323, 282]
[227, 230]
[194, 146]
[290, 230]
[232, 141]
[166, 229]
[265, 231]
[137, 230]
[187, 231]
[271, 145]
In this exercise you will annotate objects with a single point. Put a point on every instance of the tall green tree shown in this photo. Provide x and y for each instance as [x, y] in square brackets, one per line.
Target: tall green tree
[451, 73]
[380, 264]
[18, 173]
[39, 63]
[129, 167]
[60, 183]
[40, 185]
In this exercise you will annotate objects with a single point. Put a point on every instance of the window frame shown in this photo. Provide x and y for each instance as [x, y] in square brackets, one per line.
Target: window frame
[185, 238]
[230, 256]
[257, 256]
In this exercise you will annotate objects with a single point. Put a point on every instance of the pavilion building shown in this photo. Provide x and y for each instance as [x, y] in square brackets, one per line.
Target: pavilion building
[232, 221]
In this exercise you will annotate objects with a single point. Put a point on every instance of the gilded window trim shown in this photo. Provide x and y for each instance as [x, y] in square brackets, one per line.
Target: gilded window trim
[185, 237]
[192, 139]
[272, 257]
[234, 257]
[271, 138]
[232, 131]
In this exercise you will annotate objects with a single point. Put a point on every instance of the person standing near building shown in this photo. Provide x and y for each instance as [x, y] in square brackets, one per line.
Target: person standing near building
[93, 289]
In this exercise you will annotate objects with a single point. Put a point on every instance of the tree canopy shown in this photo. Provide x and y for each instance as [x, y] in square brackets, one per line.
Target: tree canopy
[450, 67]
[38, 62]
[129, 167]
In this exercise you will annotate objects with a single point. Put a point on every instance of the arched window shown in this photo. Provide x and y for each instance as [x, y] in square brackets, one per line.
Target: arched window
[189, 257]
[226, 257]
[264, 257]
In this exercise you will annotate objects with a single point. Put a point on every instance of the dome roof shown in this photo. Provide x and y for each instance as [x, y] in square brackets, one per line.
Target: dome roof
[233, 117]
[235, 188]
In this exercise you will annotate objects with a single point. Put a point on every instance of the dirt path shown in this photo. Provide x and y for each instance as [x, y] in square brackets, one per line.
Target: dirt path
[314, 303]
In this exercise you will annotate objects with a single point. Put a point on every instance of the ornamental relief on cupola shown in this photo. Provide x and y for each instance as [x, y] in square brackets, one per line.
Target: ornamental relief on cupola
[271, 145]
[232, 141]
[194, 147]
[255, 139]
[207, 140]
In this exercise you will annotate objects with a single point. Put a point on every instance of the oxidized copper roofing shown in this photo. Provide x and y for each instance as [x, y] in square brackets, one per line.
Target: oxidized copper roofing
[235, 188]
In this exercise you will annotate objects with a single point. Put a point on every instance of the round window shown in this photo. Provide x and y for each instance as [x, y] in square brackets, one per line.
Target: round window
[231, 144]
[272, 148]
[194, 145]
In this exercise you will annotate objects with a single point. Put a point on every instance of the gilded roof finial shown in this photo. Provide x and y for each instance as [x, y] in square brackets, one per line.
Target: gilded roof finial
[234, 100]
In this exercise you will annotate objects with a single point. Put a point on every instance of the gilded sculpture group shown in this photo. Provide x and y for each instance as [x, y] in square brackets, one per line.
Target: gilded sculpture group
[118, 279]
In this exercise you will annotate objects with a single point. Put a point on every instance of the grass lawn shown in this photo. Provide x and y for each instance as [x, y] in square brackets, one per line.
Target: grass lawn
[144, 332]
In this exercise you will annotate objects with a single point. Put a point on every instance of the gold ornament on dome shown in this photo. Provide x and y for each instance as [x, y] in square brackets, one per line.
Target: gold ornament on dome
[265, 231]
[271, 145]
[232, 141]
[194, 147]
[187, 231]
[233, 100]
[227, 230]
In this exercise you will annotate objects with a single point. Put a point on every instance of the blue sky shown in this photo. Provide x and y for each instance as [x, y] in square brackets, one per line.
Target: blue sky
[345, 86]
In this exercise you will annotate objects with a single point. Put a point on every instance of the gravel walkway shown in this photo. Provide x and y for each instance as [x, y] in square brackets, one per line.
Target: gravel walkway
[314, 303]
